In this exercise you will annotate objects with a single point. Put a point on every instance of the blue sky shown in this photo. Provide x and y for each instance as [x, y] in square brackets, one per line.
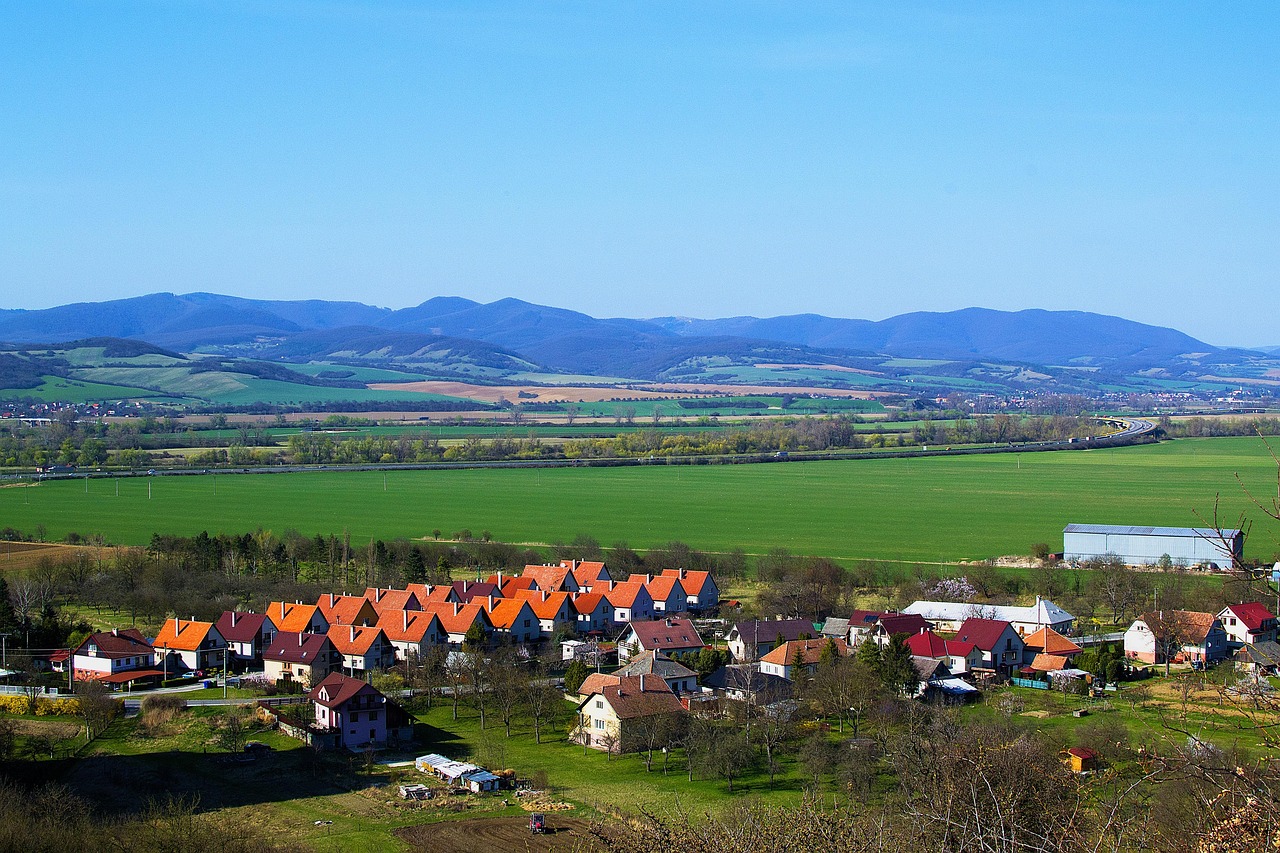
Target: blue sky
[645, 159]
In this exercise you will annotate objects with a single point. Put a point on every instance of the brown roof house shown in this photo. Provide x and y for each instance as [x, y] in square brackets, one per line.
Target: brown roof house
[753, 639]
[114, 657]
[354, 715]
[248, 635]
[304, 658]
[679, 678]
[672, 635]
[612, 716]
[1176, 636]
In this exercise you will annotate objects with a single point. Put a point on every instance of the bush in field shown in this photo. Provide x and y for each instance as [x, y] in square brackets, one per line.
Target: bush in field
[158, 711]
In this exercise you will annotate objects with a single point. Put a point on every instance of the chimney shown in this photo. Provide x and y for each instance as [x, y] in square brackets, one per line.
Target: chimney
[684, 573]
[642, 682]
[406, 620]
[465, 584]
[353, 633]
[299, 639]
[545, 595]
[490, 608]
[115, 632]
[233, 618]
[499, 580]
[456, 608]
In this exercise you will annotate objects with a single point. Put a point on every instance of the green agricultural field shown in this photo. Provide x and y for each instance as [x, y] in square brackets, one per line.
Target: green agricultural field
[60, 389]
[927, 509]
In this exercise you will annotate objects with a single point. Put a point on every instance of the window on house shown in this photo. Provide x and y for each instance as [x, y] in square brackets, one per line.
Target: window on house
[599, 703]
[355, 716]
[599, 724]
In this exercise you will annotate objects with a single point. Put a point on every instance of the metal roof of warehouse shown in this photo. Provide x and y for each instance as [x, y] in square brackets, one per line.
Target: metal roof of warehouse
[1124, 530]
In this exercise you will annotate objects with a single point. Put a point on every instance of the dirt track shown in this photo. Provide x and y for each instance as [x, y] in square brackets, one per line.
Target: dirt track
[575, 393]
[487, 835]
[18, 556]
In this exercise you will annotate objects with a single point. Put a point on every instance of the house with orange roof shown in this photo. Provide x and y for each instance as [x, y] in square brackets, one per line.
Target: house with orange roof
[348, 610]
[457, 618]
[426, 592]
[412, 632]
[588, 573]
[669, 596]
[509, 585]
[189, 644]
[364, 649]
[553, 609]
[593, 613]
[297, 617]
[783, 660]
[513, 619]
[1047, 641]
[631, 602]
[699, 586]
[557, 578]
[392, 599]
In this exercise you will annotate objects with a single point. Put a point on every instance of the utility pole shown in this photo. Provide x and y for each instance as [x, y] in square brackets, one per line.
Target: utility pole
[225, 649]
[4, 651]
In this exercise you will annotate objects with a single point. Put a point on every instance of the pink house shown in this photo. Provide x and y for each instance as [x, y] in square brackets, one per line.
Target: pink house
[356, 714]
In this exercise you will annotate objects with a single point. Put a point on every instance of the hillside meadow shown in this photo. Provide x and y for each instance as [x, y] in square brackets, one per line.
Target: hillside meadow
[920, 509]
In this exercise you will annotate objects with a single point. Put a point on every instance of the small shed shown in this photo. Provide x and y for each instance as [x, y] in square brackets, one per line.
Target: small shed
[480, 780]
[1080, 759]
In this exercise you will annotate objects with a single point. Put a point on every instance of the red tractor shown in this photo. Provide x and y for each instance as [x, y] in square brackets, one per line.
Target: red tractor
[537, 823]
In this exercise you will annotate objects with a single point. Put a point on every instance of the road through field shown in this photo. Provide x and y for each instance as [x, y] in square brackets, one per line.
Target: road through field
[941, 508]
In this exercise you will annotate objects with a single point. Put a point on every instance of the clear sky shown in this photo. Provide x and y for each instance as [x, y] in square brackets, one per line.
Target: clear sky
[643, 159]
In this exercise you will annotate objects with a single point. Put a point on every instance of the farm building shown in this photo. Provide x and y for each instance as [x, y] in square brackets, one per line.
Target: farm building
[1145, 546]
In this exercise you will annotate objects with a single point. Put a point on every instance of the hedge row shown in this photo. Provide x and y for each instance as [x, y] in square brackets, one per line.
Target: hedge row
[45, 706]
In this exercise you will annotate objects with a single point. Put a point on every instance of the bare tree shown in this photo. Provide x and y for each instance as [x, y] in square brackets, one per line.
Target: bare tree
[97, 708]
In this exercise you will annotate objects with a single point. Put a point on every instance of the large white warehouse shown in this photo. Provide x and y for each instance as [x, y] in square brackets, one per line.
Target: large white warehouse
[1144, 546]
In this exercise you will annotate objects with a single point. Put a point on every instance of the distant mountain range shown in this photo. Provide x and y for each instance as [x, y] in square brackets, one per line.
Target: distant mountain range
[452, 336]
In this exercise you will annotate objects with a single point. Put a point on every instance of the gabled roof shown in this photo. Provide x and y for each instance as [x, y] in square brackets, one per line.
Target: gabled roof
[545, 605]
[354, 640]
[505, 612]
[587, 572]
[337, 689]
[552, 578]
[428, 592]
[1049, 663]
[237, 627]
[983, 633]
[694, 582]
[407, 626]
[758, 631]
[392, 599]
[747, 677]
[468, 590]
[903, 623]
[1266, 653]
[1252, 614]
[1051, 642]
[595, 682]
[588, 602]
[458, 618]
[629, 701]
[291, 647]
[1191, 626]
[930, 645]
[347, 609]
[510, 585]
[835, 626]
[292, 616]
[125, 643]
[664, 587]
[809, 650]
[653, 663]
[625, 594]
[185, 635]
[1207, 533]
[663, 634]
[1043, 612]
[866, 618]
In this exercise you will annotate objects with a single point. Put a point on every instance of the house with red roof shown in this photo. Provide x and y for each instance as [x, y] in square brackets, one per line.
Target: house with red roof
[248, 635]
[593, 613]
[356, 714]
[670, 636]
[511, 585]
[783, 660]
[189, 644]
[998, 641]
[631, 602]
[666, 591]
[297, 617]
[412, 632]
[1248, 623]
[588, 573]
[700, 587]
[364, 649]
[114, 657]
[304, 658]
[959, 656]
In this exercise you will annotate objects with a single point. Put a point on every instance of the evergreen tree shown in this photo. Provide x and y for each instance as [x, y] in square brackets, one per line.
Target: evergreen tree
[830, 655]
[8, 618]
[870, 657]
[575, 675]
[899, 673]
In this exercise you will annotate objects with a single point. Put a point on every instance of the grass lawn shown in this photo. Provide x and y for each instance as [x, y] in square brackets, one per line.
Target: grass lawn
[590, 778]
[939, 509]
